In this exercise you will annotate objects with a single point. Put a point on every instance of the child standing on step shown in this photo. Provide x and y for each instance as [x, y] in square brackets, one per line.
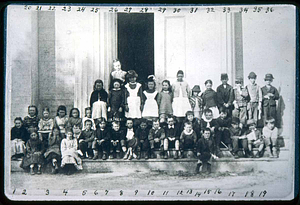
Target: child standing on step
[181, 91]
[88, 116]
[205, 151]
[34, 155]
[116, 102]
[164, 101]
[270, 95]
[142, 134]
[45, 127]
[156, 137]
[18, 136]
[172, 131]
[254, 138]
[196, 102]
[102, 140]
[74, 119]
[98, 100]
[134, 97]
[117, 73]
[61, 120]
[225, 94]
[270, 133]
[150, 110]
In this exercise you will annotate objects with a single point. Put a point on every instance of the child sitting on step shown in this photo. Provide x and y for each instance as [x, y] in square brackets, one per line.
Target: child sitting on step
[188, 138]
[172, 131]
[86, 139]
[270, 133]
[205, 151]
[102, 140]
[131, 140]
[254, 138]
[156, 137]
[117, 140]
[142, 133]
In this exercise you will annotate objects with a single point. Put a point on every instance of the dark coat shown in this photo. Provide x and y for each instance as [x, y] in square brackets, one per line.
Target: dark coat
[272, 101]
[102, 95]
[19, 133]
[225, 95]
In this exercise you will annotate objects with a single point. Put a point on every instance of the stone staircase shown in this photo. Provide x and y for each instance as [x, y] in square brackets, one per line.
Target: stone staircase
[224, 164]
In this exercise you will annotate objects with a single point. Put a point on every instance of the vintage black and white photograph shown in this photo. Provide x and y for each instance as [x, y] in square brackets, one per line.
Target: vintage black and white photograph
[150, 102]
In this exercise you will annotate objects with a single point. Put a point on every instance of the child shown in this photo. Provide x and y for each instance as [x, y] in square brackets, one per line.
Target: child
[225, 94]
[188, 138]
[131, 140]
[254, 138]
[255, 95]
[18, 136]
[210, 99]
[222, 132]
[69, 152]
[74, 118]
[32, 120]
[181, 92]
[270, 133]
[164, 101]
[117, 140]
[172, 132]
[156, 137]
[88, 116]
[205, 150]
[240, 102]
[86, 139]
[270, 95]
[116, 101]
[53, 154]
[207, 121]
[45, 127]
[196, 102]
[150, 110]
[118, 73]
[101, 140]
[142, 133]
[189, 117]
[76, 132]
[61, 120]
[34, 154]
[237, 137]
[98, 100]
[134, 96]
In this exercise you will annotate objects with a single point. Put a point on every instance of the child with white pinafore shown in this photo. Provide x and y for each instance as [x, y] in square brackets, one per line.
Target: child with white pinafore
[134, 96]
[150, 110]
[181, 91]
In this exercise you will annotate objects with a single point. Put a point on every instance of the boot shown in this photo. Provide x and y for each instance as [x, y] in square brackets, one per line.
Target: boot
[118, 155]
[139, 155]
[32, 171]
[111, 156]
[198, 167]
[208, 167]
[176, 155]
[181, 154]
[147, 155]
[95, 154]
[104, 156]
[152, 154]
[39, 170]
[125, 156]
[130, 157]
[165, 154]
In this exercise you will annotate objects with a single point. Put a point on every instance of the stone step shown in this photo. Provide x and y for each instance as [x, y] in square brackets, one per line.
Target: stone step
[185, 164]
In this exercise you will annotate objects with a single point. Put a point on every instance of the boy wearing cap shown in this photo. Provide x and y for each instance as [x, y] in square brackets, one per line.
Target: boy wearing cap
[225, 94]
[254, 138]
[255, 95]
[270, 133]
[196, 102]
[269, 96]
[241, 98]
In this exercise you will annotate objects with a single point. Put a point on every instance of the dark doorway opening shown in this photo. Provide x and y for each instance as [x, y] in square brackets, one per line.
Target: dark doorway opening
[136, 43]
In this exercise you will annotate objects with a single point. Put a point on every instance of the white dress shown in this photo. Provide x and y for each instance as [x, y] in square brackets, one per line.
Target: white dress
[150, 107]
[134, 102]
[69, 153]
[181, 105]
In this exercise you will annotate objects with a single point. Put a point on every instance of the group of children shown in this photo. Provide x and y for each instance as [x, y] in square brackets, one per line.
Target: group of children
[135, 122]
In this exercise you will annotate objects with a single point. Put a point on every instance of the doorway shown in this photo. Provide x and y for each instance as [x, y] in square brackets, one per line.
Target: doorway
[136, 43]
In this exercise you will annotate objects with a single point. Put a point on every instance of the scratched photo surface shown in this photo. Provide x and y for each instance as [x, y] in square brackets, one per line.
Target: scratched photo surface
[55, 54]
